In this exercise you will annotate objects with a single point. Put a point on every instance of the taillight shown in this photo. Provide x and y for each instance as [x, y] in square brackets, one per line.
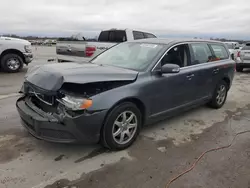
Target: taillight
[238, 54]
[89, 51]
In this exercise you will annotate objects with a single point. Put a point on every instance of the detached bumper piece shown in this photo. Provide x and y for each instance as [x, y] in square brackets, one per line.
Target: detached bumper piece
[45, 126]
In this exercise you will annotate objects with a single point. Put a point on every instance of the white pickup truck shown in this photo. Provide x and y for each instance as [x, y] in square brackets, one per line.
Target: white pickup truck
[82, 50]
[14, 53]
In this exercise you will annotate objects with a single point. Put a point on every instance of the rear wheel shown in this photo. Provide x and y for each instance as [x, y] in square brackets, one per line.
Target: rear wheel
[220, 95]
[122, 126]
[11, 63]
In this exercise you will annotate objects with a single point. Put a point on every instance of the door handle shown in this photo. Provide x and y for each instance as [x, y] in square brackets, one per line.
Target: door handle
[215, 71]
[189, 77]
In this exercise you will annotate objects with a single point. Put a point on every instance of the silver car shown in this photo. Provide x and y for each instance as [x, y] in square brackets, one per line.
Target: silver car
[244, 58]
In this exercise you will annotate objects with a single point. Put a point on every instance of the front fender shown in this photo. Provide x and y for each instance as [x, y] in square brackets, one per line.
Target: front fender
[108, 99]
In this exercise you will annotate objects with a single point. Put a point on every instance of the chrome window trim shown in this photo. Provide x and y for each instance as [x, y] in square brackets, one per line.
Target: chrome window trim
[191, 66]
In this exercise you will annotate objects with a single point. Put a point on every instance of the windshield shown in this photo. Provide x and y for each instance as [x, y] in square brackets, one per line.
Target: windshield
[135, 56]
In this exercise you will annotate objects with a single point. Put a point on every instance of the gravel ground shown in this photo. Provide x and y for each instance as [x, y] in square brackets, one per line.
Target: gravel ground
[162, 151]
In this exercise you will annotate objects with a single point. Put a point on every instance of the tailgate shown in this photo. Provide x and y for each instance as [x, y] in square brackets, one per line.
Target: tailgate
[245, 56]
[71, 48]
[102, 46]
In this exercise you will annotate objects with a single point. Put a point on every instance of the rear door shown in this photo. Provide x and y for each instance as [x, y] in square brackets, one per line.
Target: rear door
[223, 65]
[245, 53]
[204, 70]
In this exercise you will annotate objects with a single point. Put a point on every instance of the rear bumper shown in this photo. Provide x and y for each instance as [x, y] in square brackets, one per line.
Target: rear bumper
[28, 57]
[244, 65]
[62, 128]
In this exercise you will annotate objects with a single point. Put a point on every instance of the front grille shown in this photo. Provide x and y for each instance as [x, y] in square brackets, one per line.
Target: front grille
[56, 134]
[42, 95]
[42, 99]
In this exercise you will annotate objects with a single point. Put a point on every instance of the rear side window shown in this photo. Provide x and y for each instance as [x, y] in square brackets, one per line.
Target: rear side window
[149, 35]
[220, 52]
[201, 53]
[104, 36]
[138, 35]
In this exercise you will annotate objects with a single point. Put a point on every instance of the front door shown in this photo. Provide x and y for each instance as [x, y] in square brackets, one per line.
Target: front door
[176, 89]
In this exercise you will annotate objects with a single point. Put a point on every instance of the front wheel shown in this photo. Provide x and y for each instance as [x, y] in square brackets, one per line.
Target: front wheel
[220, 95]
[122, 126]
[11, 63]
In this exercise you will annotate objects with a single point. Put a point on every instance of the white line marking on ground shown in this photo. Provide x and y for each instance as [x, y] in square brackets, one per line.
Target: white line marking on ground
[9, 95]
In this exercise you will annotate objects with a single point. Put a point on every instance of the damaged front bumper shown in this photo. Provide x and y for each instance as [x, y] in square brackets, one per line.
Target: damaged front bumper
[61, 128]
[28, 58]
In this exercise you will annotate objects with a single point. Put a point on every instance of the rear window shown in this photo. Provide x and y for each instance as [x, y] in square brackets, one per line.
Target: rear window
[117, 36]
[246, 47]
[113, 36]
[104, 36]
[138, 35]
[219, 51]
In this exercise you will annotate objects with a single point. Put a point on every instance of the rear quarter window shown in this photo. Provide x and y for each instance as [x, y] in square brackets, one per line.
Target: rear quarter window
[138, 35]
[149, 35]
[220, 52]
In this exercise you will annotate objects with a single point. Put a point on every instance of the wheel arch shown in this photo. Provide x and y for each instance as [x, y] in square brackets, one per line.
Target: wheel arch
[12, 51]
[139, 104]
[227, 80]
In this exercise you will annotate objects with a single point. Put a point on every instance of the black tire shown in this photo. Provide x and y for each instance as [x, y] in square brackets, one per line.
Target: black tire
[239, 69]
[214, 102]
[107, 139]
[6, 58]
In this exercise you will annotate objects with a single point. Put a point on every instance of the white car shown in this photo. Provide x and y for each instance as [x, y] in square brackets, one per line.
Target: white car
[14, 53]
[234, 48]
[243, 58]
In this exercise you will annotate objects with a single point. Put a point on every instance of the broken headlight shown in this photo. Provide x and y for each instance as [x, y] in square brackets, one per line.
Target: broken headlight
[75, 103]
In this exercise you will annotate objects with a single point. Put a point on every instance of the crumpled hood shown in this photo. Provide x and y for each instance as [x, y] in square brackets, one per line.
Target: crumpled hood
[51, 77]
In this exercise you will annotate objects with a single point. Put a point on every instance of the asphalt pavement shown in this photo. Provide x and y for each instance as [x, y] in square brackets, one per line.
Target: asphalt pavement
[162, 151]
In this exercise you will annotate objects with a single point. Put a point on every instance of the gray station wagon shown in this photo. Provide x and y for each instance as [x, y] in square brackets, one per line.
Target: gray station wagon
[110, 98]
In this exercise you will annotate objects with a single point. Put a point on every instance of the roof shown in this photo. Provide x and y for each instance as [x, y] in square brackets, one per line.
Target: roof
[230, 42]
[172, 40]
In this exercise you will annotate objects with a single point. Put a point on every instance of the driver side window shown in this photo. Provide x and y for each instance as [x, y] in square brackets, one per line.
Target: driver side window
[177, 55]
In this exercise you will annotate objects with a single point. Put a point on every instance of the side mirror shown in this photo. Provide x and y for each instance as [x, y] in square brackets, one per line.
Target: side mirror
[237, 48]
[170, 68]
